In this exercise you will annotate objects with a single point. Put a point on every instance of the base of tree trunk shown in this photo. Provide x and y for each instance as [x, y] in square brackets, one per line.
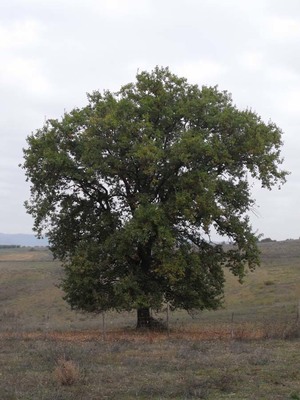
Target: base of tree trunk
[145, 321]
[143, 318]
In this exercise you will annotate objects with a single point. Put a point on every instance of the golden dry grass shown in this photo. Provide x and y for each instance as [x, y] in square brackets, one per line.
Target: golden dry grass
[18, 257]
[247, 351]
[66, 372]
[149, 367]
[25, 254]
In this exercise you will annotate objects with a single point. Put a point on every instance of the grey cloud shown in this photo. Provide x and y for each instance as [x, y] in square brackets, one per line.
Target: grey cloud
[83, 46]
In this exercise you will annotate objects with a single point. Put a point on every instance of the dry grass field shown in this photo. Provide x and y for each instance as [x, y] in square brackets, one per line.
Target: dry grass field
[248, 350]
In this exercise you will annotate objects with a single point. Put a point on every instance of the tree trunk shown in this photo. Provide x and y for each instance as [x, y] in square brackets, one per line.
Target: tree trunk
[143, 318]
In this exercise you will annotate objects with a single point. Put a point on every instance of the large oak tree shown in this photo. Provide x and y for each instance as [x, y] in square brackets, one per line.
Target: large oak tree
[129, 188]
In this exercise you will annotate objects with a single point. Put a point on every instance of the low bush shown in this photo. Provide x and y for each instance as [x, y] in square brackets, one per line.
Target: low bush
[66, 372]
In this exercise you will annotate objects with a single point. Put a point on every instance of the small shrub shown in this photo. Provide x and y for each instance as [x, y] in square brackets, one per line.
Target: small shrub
[240, 347]
[200, 392]
[292, 331]
[66, 372]
[260, 357]
[282, 330]
[225, 382]
[240, 332]
[269, 283]
[267, 240]
[294, 396]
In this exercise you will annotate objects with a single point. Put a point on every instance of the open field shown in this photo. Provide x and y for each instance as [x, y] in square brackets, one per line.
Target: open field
[248, 350]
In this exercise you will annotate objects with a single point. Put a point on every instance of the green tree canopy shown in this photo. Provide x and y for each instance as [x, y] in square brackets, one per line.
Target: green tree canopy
[129, 188]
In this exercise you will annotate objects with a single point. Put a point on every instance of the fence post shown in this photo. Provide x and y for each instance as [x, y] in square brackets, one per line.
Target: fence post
[103, 326]
[168, 310]
[232, 328]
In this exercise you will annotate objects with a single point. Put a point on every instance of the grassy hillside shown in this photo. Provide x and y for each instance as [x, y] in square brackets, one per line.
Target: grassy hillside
[271, 290]
[31, 300]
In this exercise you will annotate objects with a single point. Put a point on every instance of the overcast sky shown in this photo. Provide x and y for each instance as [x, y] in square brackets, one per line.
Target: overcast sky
[52, 52]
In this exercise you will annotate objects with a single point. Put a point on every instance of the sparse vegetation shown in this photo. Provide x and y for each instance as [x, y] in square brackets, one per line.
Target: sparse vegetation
[249, 350]
[295, 396]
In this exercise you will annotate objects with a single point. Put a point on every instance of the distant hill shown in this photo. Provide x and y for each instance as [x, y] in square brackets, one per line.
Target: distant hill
[21, 239]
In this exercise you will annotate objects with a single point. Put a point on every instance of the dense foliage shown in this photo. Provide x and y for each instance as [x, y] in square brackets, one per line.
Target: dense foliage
[129, 188]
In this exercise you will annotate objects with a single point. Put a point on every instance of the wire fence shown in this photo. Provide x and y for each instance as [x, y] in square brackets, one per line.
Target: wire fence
[263, 321]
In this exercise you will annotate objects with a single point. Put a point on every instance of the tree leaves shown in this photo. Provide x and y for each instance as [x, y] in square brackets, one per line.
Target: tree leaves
[129, 188]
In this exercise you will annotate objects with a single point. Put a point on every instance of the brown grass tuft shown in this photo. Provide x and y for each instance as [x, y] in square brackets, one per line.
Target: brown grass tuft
[66, 372]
